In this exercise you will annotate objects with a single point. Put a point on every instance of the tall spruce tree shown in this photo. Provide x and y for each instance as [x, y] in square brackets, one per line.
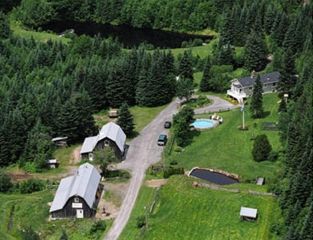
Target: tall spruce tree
[185, 66]
[256, 106]
[4, 26]
[125, 120]
[255, 52]
[261, 148]
[205, 81]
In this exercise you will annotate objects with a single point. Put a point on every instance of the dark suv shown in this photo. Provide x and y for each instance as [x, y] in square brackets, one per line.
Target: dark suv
[162, 140]
[167, 124]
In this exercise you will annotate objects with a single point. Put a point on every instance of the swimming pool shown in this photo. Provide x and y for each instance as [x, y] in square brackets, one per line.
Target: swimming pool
[204, 123]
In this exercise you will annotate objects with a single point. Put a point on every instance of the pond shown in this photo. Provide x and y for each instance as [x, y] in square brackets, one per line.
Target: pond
[214, 177]
[127, 35]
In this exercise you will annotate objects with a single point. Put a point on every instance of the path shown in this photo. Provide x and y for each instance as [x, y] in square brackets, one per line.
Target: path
[143, 152]
[218, 104]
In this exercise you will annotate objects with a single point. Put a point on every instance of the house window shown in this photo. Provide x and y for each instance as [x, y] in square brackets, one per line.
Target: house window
[76, 199]
[106, 143]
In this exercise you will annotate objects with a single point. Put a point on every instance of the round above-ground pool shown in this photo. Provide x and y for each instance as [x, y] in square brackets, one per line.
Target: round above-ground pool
[214, 177]
[204, 123]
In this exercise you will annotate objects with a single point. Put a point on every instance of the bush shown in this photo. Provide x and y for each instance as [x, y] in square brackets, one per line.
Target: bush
[29, 234]
[141, 221]
[173, 162]
[97, 226]
[31, 185]
[273, 156]
[261, 148]
[5, 182]
[169, 171]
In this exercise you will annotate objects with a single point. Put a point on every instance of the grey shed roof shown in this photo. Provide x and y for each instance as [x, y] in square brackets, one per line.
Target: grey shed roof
[248, 212]
[83, 184]
[89, 144]
[266, 78]
[111, 131]
[115, 133]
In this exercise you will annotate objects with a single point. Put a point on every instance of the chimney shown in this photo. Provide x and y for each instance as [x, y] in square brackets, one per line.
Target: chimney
[253, 74]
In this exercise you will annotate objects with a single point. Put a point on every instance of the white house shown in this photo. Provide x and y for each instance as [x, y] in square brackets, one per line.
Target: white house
[242, 88]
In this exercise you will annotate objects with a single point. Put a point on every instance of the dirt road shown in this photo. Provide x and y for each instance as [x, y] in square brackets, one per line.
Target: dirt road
[142, 153]
[218, 104]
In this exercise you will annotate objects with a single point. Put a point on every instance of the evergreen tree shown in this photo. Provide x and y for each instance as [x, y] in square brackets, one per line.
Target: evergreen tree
[4, 26]
[255, 52]
[256, 106]
[184, 89]
[125, 120]
[307, 230]
[261, 148]
[185, 66]
[204, 84]
[5, 182]
[282, 106]
[287, 74]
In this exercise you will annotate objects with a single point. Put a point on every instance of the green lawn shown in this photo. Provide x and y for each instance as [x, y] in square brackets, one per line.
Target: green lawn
[42, 36]
[229, 149]
[33, 210]
[142, 116]
[184, 212]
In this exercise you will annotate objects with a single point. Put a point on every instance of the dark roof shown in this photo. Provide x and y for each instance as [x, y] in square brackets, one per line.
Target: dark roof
[162, 137]
[266, 78]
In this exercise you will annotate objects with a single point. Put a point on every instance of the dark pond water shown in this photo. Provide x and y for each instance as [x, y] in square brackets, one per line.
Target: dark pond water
[213, 177]
[127, 35]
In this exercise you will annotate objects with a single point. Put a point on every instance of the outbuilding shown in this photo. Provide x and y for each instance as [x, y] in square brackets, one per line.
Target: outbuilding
[248, 214]
[52, 163]
[77, 196]
[111, 135]
[260, 181]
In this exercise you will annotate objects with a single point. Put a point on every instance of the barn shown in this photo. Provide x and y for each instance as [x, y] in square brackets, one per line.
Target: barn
[111, 135]
[77, 196]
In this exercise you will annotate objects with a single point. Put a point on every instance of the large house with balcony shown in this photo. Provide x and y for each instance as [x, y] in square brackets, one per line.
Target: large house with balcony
[242, 88]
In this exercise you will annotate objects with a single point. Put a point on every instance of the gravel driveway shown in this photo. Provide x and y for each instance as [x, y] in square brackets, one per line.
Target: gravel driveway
[218, 104]
[142, 153]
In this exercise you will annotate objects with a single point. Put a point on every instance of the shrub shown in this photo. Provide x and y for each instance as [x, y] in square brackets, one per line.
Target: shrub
[97, 226]
[5, 182]
[261, 148]
[273, 156]
[173, 162]
[169, 171]
[31, 185]
[29, 234]
[141, 221]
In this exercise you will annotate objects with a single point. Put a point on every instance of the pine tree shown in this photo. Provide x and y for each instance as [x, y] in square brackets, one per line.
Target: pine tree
[287, 74]
[256, 106]
[282, 106]
[204, 84]
[261, 148]
[185, 66]
[307, 230]
[4, 26]
[255, 52]
[125, 120]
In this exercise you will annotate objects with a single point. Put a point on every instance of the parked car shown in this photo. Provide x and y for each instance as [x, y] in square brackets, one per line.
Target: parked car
[162, 140]
[167, 124]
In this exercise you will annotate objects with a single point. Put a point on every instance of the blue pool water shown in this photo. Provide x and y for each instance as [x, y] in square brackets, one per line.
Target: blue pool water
[204, 123]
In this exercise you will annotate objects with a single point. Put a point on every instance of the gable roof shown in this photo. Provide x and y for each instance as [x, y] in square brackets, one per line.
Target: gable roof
[115, 133]
[248, 212]
[111, 131]
[83, 184]
[266, 78]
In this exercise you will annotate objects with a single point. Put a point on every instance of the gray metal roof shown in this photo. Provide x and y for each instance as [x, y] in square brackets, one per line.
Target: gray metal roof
[115, 133]
[83, 184]
[266, 78]
[89, 144]
[111, 131]
[248, 212]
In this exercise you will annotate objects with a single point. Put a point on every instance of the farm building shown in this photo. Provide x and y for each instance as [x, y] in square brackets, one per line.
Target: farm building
[248, 214]
[243, 87]
[111, 135]
[77, 196]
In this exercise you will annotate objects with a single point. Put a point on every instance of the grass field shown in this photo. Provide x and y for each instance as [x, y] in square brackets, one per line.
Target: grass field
[229, 149]
[142, 116]
[184, 212]
[33, 210]
[42, 36]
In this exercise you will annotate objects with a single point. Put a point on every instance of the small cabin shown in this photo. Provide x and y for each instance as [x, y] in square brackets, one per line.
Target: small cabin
[77, 196]
[111, 135]
[60, 141]
[248, 214]
[113, 113]
[52, 163]
[260, 181]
